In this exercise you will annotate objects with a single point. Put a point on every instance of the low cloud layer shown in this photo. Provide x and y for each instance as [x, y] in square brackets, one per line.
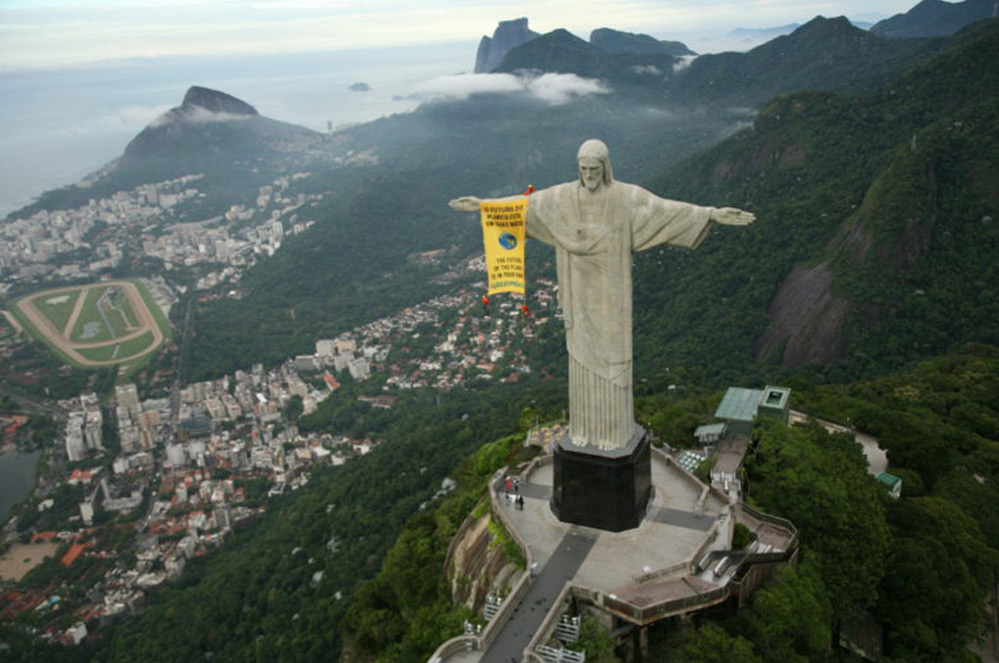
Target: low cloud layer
[551, 88]
[195, 115]
[129, 117]
[683, 62]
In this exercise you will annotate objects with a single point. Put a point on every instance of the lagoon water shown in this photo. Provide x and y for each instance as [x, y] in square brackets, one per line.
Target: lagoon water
[57, 126]
[17, 478]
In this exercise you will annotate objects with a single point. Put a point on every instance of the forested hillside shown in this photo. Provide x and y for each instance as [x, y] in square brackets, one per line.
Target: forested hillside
[876, 231]
[827, 54]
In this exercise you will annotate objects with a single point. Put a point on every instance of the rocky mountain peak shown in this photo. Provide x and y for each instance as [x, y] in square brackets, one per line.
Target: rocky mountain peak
[215, 102]
[507, 36]
[820, 27]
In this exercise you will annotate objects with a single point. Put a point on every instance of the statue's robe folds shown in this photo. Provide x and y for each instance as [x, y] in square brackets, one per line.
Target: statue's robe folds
[593, 260]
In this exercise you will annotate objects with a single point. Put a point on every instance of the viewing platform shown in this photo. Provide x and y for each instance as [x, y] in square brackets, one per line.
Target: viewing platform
[677, 561]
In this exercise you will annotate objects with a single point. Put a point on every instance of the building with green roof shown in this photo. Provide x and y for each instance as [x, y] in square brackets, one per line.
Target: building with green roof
[892, 484]
[740, 406]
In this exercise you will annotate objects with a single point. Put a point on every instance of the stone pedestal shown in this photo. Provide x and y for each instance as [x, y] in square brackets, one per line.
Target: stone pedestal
[606, 490]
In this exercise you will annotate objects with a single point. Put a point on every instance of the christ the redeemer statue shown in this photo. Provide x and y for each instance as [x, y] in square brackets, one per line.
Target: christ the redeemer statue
[595, 224]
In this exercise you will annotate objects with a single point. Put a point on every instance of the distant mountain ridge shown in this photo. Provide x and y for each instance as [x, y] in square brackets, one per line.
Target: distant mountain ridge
[511, 35]
[933, 18]
[211, 133]
[558, 51]
[637, 76]
[825, 53]
[615, 41]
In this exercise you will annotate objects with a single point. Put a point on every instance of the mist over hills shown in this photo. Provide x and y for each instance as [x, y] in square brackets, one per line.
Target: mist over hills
[825, 53]
[510, 35]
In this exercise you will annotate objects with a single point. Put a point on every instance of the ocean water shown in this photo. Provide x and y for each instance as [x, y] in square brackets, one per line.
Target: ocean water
[57, 126]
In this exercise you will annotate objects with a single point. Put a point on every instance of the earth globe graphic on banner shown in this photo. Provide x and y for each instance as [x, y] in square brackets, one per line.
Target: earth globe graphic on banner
[508, 241]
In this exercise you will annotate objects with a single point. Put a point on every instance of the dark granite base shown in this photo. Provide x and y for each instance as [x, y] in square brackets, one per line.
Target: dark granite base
[600, 489]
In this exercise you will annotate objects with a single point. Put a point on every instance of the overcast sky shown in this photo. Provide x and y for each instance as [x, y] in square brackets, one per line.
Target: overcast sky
[43, 33]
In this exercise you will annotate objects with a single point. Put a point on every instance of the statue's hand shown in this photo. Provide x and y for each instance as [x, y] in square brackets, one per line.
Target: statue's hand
[465, 204]
[730, 216]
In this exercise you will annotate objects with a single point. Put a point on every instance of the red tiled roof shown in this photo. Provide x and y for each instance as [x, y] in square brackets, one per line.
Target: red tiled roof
[74, 551]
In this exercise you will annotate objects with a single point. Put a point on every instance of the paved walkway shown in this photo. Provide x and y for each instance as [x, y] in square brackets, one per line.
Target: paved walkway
[561, 567]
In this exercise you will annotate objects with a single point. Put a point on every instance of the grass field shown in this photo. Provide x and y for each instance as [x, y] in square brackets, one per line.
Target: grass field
[126, 350]
[106, 315]
[58, 307]
[158, 315]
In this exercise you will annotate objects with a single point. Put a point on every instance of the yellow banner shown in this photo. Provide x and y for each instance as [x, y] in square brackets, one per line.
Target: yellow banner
[503, 224]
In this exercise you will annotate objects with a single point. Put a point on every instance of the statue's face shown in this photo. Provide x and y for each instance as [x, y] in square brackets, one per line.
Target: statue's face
[591, 172]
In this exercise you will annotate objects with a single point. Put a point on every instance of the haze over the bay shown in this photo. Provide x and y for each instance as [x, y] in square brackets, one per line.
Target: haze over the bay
[46, 32]
[80, 78]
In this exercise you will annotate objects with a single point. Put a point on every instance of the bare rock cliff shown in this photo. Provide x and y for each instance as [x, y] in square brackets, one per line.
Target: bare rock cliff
[507, 36]
[808, 321]
[477, 566]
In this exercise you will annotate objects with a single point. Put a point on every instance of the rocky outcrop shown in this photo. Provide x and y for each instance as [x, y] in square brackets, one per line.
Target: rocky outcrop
[808, 321]
[476, 566]
[507, 36]
[615, 41]
[215, 102]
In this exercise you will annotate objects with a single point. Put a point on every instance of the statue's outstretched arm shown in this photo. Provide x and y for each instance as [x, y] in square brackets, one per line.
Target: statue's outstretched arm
[465, 204]
[730, 216]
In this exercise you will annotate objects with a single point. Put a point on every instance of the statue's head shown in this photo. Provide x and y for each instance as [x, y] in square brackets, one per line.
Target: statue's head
[594, 164]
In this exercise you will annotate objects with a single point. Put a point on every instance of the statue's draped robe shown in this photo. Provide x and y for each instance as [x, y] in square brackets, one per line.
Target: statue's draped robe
[594, 275]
